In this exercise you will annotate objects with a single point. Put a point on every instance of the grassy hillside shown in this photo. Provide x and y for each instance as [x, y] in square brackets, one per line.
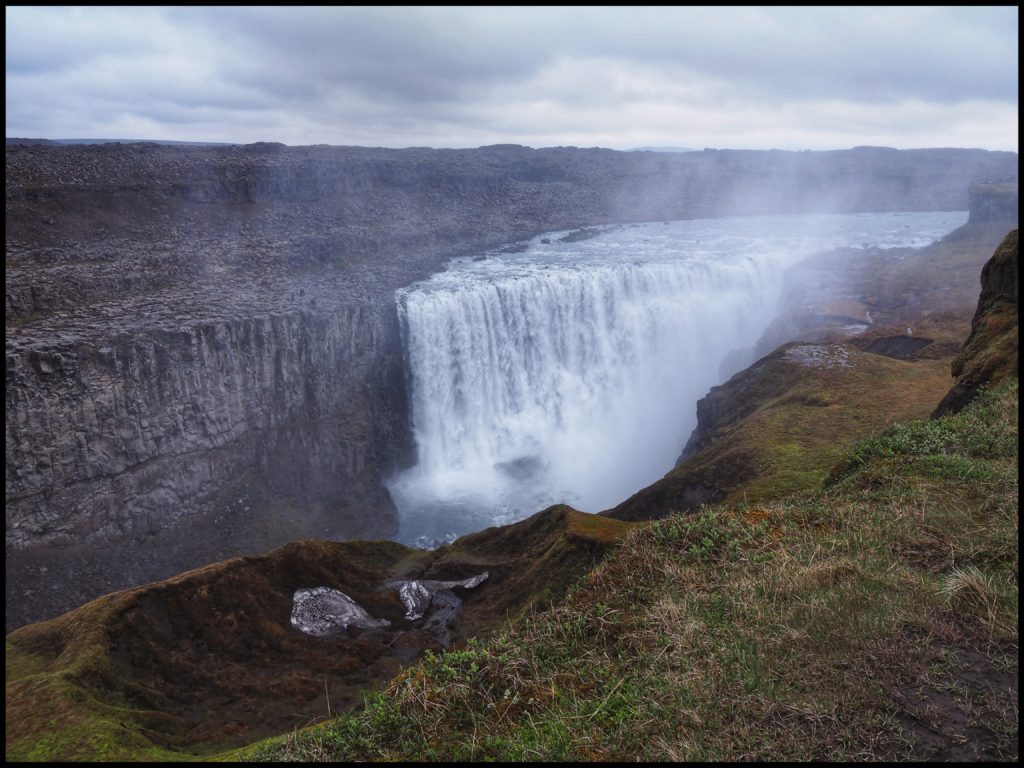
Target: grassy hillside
[873, 618]
[780, 425]
[207, 660]
[992, 349]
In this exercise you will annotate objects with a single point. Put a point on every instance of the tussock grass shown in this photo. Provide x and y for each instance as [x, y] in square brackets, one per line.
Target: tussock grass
[789, 630]
[970, 592]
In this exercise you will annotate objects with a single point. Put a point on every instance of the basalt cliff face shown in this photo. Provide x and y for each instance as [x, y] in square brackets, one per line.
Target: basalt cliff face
[142, 430]
[202, 353]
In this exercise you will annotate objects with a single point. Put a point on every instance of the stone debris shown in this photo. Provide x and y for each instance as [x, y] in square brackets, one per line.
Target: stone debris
[417, 594]
[815, 356]
[322, 611]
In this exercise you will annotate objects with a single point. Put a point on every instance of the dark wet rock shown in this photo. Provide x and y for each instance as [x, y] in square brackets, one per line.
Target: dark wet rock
[522, 468]
[584, 233]
[322, 611]
[417, 594]
[899, 347]
[444, 612]
[519, 247]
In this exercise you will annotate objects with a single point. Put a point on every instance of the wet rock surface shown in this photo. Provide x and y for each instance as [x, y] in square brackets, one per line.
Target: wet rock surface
[818, 356]
[322, 611]
[899, 347]
[417, 595]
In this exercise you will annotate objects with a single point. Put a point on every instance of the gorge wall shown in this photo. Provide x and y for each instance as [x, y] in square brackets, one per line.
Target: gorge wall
[202, 350]
[146, 428]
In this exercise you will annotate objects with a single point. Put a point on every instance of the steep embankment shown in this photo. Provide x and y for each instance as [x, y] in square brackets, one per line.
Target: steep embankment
[209, 659]
[201, 350]
[992, 350]
[780, 425]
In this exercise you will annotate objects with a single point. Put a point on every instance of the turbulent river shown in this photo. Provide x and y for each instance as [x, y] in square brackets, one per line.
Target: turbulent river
[569, 371]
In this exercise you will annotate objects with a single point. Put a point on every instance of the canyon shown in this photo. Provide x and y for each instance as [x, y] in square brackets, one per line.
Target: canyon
[203, 354]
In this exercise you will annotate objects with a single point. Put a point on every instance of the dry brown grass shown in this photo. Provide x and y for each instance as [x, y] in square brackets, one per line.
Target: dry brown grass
[969, 592]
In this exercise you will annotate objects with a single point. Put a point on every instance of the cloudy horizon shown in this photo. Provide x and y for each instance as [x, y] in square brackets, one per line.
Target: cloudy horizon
[743, 77]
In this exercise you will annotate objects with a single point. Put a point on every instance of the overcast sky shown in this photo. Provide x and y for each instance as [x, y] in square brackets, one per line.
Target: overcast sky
[619, 77]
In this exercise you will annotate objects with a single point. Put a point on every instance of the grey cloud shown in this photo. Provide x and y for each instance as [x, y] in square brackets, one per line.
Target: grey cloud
[53, 39]
[406, 54]
[413, 75]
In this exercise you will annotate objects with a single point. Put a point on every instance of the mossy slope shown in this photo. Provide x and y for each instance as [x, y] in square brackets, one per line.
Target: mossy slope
[780, 425]
[207, 660]
[992, 350]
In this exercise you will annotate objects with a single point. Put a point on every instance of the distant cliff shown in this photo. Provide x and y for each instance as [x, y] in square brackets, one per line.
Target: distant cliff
[994, 202]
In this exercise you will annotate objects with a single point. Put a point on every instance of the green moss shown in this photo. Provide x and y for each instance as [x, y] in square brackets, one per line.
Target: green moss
[206, 661]
[794, 425]
[31, 317]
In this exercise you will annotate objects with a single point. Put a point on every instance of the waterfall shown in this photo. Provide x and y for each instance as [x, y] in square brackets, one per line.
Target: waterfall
[570, 373]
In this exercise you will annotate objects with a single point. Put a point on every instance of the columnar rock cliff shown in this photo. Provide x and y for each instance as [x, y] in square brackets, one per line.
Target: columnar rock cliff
[142, 430]
[202, 352]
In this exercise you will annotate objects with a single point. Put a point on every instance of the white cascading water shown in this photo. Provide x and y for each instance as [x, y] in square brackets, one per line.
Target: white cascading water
[570, 372]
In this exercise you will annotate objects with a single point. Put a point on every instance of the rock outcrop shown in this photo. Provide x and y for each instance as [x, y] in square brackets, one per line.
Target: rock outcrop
[908, 303]
[202, 353]
[993, 202]
[147, 428]
[992, 350]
